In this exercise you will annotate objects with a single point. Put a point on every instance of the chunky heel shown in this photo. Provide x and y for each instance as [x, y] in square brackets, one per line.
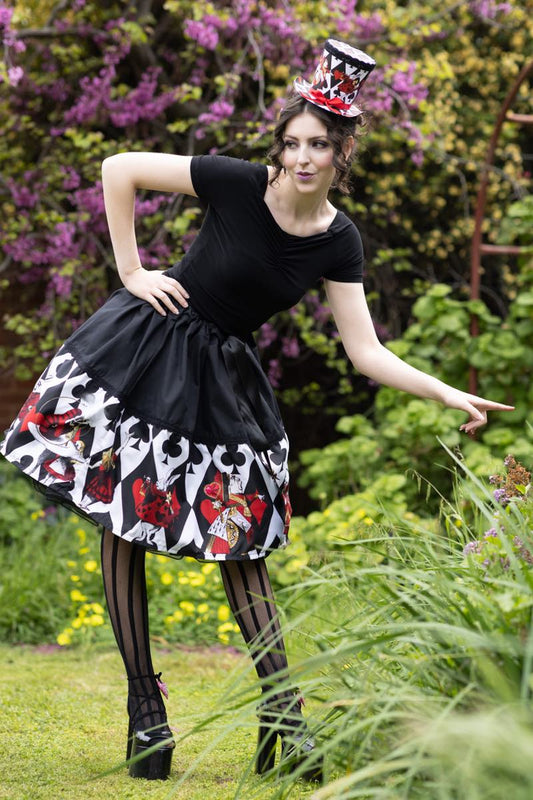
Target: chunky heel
[155, 766]
[153, 745]
[283, 717]
[266, 748]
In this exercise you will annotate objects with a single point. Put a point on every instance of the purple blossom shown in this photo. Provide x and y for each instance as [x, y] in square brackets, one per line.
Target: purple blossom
[31, 275]
[290, 347]
[500, 496]
[492, 533]
[154, 257]
[94, 96]
[369, 28]
[471, 547]
[274, 372]
[58, 90]
[404, 84]
[152, 204]
[61, 284]
[267, 335]
[490, 9]
[205, 34]
[26, 248]
[15, 75]
[141, 102]
[91, 200]
[5, 17]
[62, 246]
[218, 111]
[23, 196]
[71, 180]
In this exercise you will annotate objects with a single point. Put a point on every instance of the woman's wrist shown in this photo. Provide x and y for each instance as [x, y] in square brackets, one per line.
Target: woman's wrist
[127, 273]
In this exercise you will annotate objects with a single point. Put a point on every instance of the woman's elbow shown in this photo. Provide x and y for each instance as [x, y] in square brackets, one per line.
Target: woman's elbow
[363, 356]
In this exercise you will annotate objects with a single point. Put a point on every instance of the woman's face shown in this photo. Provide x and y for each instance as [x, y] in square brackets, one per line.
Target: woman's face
[308, 154]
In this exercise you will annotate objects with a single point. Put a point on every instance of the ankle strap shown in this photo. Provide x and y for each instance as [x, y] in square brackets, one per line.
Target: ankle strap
[161, 685]
[157, 676]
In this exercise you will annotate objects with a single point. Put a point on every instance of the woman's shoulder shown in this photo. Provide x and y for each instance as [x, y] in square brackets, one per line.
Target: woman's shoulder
[212, 172]
[223, 164]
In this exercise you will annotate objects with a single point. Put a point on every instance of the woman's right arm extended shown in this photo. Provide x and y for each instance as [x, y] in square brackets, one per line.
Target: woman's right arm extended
[122, 174]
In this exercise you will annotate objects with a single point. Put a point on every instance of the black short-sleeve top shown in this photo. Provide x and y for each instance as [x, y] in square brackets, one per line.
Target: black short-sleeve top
[243, 267]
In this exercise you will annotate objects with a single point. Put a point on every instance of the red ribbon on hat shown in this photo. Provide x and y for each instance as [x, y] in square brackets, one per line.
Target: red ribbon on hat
[334, 103]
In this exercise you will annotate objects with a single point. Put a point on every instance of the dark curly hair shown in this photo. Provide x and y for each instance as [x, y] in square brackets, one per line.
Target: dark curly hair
[339, 130]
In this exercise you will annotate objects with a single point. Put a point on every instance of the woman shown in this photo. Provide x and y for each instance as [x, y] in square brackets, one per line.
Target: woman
[155, 418]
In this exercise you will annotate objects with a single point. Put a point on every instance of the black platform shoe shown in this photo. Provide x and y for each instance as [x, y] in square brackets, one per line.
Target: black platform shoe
[283, 717]
[155, 740]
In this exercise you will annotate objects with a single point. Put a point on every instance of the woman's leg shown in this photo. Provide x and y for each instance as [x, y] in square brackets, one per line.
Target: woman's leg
[125, 590]
[251, 599]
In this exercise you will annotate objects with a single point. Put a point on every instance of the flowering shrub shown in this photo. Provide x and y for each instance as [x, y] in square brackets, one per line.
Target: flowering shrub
[504, 553]
[86, 80]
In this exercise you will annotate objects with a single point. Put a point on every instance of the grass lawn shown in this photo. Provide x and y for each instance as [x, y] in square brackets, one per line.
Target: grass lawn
[64, 725]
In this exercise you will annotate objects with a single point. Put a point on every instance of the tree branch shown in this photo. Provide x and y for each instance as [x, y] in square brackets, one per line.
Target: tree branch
[51, 32]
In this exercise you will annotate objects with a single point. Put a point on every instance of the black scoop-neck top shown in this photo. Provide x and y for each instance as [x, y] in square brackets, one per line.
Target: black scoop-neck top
[243, 267]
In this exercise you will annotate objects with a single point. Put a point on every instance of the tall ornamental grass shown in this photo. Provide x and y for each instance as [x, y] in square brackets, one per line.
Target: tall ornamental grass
[417, 653]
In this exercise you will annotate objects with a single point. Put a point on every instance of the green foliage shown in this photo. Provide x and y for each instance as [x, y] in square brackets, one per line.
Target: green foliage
[422, 650]
[403, 434]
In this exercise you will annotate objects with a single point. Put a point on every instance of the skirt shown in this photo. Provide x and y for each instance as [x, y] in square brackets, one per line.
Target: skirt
[163, 430]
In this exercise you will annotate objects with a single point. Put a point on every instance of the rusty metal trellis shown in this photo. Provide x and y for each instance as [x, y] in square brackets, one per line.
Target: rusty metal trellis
[480, 248]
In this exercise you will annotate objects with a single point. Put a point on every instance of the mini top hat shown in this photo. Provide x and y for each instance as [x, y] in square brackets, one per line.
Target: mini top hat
[341, 72]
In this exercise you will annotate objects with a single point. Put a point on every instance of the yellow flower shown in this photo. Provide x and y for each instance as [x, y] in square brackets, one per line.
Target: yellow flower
[183, 579]
[225, 627]
[209, 567]
[197, 580]
[224, 638]
[96, 619]
[187, 606]
[91, 566]
[83, 550]
[236, 628]
[75, 578]
[178, 615]
[77, 597]
[37, 514]
[169, 620]
[97, 608]
[63, 639]
[161, 559]
[77, 623]
[71, 564]
[81, 535]
[166, 578]
[202, 608]
[368, 521]
[223, 613]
